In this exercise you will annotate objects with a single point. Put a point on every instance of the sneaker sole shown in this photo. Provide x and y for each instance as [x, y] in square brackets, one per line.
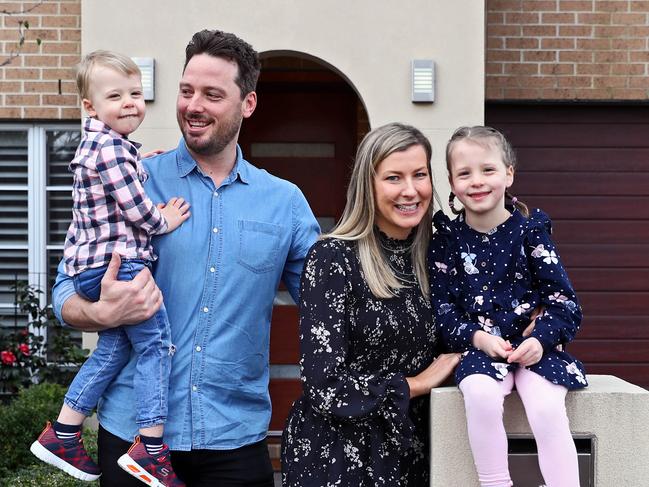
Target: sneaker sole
[47, 456]
[130, 466]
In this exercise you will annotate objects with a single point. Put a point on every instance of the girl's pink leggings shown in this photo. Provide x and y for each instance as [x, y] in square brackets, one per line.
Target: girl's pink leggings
[546, 412]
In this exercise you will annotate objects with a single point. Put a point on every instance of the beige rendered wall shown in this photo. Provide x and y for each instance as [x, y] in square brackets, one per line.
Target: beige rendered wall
[370, 42]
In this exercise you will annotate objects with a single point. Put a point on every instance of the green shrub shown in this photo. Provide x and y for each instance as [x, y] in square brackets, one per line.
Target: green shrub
[21, 421]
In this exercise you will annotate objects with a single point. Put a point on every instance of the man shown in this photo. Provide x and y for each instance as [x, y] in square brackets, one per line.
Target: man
[218, 274]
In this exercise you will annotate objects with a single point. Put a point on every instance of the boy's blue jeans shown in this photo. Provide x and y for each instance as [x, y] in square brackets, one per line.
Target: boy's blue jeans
[151, 342]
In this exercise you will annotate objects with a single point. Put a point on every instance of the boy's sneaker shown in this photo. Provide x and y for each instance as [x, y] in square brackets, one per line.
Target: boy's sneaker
[155, 470]
[69, 455]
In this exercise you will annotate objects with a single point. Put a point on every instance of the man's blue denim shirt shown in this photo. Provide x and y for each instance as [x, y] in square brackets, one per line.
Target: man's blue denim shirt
[218, 273]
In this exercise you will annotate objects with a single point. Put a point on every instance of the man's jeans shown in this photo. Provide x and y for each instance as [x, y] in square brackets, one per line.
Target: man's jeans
[151, 342]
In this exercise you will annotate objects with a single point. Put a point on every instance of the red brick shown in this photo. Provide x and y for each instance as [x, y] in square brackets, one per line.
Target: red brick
[575, 30]
[69, 87]
[639, 31]
[61, 21]
[575, 82]
[503, 30]
[539, 5]
[495, 43]
[44, 8]
[522, 94]
[640, 82]
[10, 112]
[600, 69]
[9, 35]
[554, 69]
[628, 69]
[22, 73]
[494, 18]
[503, 81]
[521, 68]
[29, 47]
[592, 44]
[576, 56]
[611, 31]
[20, 100]
[61, 47]
[13, 21]
[576, 6]
[560, 94]
[611, 56]
[640, 6]
[557, 43]
[559, 18]
[503, 5]
[628, 44]
[521, 43]
[493, 93]
[42, 34]
[41, 87]
[10, 87]
[594, 19]
[596, 94]
[70, 8]
[59, 73]
[629, 19]
[521, 18]
[611, 6]
[70, 113]
[40, 61]
[507, 56]
[494, 68]
[41, 113]
[539, 56]
[629, 94]
[610, 82]
[540, 30]
[538, 81]
[70, 34]
[639, 57]
[60, 100]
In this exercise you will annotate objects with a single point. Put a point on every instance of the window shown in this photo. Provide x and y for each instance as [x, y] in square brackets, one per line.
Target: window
[35, 206]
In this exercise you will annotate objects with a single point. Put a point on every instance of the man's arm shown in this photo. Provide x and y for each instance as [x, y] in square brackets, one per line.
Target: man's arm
[121, 302]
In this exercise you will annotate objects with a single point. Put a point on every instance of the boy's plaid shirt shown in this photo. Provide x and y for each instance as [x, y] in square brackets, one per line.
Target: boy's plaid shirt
[110, 210]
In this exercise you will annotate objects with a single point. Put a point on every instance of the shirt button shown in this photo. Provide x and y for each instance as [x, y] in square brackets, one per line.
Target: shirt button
[485, 288]
[194, 388]
[205, 309]
[215, 230]
[216, 193]
[212, 269]
[198, 348]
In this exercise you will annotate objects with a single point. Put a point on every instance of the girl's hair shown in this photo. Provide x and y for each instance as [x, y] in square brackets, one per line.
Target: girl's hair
[358, 219]
[486, 137]
[114, 60]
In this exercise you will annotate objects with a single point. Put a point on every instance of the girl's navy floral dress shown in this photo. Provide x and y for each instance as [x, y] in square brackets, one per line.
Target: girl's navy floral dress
[355, 424]
[493, 282]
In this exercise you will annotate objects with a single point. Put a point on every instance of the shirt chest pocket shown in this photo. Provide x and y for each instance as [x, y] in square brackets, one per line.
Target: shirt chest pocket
[258, 245]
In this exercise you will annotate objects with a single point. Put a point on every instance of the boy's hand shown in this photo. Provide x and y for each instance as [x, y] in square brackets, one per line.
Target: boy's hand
[528, 353]
[176, 211]
[152, 153]
[492, 345]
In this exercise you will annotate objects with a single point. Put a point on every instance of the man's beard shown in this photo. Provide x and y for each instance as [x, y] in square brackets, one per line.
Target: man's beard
[226, 131]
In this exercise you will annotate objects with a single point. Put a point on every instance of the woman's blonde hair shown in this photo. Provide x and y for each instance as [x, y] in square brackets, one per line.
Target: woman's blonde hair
[358, 220]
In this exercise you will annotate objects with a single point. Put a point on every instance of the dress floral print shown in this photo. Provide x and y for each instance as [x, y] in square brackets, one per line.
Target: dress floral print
[355, 424]
[493, 282]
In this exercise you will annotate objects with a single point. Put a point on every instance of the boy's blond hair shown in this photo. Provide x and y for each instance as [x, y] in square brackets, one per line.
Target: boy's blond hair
[119, 62]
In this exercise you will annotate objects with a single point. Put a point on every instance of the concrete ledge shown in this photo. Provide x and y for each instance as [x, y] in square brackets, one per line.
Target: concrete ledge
[614, 412]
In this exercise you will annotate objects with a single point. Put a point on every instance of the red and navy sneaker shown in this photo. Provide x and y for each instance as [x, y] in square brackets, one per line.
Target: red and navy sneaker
[155, 470]
[69, 455]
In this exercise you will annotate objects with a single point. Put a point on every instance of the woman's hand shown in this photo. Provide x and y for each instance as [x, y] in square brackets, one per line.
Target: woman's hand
[528, 353]
[433, 375]
[492, 345]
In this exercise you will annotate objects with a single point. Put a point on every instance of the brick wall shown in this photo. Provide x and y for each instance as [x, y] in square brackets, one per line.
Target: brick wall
[39, 83]
[567, 49]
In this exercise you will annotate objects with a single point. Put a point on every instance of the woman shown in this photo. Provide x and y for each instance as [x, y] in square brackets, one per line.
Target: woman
[368, 340]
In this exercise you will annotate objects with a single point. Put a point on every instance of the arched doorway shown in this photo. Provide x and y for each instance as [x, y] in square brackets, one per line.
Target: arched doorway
[305, 129]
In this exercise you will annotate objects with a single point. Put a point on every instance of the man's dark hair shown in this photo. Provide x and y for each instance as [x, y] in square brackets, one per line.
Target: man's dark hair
[223, 44]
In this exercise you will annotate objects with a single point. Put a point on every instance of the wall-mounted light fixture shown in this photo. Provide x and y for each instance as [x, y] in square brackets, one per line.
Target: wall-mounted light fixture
[423, 81]
[147, 67]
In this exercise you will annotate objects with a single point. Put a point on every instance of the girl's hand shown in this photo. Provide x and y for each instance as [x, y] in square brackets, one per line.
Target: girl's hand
[492, 345]
[433, 375]
[528, 353]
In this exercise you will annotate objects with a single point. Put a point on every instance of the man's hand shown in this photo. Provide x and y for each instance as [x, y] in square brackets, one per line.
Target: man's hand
[120, 303]
[528, 353]
[492, 345]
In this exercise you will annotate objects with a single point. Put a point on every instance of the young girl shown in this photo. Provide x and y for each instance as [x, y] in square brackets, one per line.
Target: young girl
[492, 267]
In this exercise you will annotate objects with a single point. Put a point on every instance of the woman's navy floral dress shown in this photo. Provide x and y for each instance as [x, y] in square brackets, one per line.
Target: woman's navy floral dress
[493, 282]
[355, 424]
